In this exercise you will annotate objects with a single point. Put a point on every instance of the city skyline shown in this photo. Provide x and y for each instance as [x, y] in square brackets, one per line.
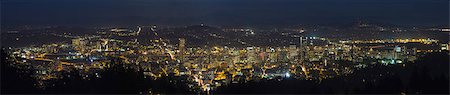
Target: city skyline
[225, 47]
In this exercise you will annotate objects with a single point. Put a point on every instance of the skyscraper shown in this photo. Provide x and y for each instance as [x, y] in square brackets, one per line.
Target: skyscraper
[301, 50]
[181, 47]
[292, 52]
[79, 44]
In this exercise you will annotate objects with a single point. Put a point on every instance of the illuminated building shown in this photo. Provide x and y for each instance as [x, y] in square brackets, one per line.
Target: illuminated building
[444, 47]
[292, 52]
[79, 44]
[251, 54]
[182, 47]
[445, 30]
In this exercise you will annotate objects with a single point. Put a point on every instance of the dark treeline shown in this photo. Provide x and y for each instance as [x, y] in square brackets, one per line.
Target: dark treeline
[115, 80]
[428, 75]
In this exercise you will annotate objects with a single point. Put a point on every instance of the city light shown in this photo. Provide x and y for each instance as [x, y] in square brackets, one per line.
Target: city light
[207, 47]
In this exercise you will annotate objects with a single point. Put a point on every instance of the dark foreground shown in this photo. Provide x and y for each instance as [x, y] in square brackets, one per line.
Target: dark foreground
[428, 75]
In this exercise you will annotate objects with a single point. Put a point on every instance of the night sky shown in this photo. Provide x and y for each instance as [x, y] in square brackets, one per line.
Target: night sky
[222, 12]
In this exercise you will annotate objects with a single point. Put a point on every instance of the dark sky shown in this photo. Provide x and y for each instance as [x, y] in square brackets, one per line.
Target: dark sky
[175, 12]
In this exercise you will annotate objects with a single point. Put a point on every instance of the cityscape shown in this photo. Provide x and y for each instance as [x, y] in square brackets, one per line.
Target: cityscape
[361, 56]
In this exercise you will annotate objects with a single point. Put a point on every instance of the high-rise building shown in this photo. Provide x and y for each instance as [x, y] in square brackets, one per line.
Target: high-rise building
[76, 42]
[79, 44]
[251, 54]
[397, 52]
[182, 48]
[272, 54]
[292, 51]
[301, 50]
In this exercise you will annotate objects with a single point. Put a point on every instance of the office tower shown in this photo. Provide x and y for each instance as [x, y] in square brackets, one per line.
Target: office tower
[181, 47]
[79, 44]
[301, 50]
[292, 52]
[251, 54]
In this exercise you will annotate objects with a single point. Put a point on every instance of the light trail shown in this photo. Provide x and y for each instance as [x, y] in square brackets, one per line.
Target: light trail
[169, 51]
